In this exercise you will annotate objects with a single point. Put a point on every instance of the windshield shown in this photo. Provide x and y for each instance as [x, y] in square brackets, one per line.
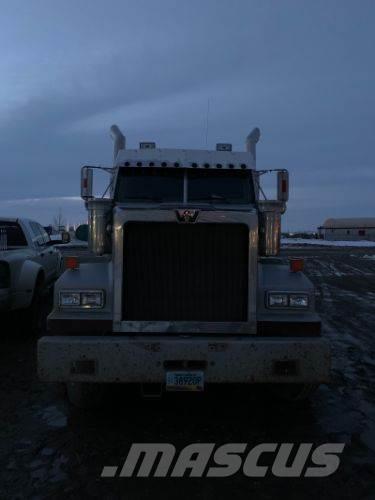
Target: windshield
[150, 184]
[11, 235]
[226, 186]
[167, 185]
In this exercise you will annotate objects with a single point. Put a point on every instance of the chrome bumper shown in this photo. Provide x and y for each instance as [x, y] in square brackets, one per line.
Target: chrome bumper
[142, 359]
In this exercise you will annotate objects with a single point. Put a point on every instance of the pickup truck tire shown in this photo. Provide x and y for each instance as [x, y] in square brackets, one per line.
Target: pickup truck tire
[34, 312]
[85, 395]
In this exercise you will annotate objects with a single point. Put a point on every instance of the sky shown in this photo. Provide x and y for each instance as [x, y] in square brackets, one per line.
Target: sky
[302, 71]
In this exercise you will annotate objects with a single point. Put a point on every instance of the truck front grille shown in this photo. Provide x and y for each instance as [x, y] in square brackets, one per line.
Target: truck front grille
[185, 272]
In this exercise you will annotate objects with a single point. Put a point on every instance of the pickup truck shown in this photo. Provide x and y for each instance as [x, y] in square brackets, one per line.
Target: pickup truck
[29, 263]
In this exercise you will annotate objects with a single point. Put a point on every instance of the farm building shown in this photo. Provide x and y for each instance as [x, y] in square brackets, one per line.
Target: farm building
[361, 228]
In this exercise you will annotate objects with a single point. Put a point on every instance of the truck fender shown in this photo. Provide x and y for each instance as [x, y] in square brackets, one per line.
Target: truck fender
[29, 273]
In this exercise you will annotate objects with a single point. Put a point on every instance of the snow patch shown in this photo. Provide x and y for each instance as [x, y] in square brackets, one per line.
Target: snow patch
[302, 241]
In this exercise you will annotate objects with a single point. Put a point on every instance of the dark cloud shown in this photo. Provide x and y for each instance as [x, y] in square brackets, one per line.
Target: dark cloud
[302, 71]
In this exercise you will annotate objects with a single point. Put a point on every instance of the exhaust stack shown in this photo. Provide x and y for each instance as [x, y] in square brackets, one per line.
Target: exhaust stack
[119, 140]
[251, 141]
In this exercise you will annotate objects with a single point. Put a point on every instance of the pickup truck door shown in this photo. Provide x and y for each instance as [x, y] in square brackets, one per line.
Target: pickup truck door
[47, 256]
[51, 254]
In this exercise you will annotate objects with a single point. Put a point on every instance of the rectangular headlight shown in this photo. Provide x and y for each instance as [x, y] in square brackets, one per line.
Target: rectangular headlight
[90, 299]
[278, 299]
[299, 300]
[69, 299]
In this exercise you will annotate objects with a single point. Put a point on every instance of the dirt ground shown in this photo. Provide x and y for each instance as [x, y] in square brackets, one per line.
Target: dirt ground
[50, 450]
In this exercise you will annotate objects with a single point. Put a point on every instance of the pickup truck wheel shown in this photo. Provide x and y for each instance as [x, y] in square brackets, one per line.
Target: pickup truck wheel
[35, 313]
[85, 395]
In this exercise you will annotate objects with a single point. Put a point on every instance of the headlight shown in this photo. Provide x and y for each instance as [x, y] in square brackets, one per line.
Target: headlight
[68, 299]
[299, 300]
[284, 300]
[278, 299]
[89, 299]
[92, 299]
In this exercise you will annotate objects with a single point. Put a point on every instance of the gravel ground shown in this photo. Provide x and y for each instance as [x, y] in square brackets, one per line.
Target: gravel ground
[50, 450]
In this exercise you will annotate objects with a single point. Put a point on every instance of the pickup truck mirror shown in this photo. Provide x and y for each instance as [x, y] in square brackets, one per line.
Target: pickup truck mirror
[86, 183]
[282, 185]
[65, 237]
[59, 239]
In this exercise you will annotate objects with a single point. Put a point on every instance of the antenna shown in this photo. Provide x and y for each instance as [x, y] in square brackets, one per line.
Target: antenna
[208, 113]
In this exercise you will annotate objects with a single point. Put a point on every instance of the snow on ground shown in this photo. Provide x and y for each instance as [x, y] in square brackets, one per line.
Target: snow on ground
[302, 241]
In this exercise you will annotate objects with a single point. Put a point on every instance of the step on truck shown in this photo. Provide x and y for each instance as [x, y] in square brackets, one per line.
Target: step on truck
[185, 288]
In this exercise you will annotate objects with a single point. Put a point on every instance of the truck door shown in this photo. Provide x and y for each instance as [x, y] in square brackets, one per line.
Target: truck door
[46, 255]
[51, 254]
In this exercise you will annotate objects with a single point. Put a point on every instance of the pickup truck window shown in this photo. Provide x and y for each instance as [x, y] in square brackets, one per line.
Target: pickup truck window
[40, 235]
[44, 234]
[226, 186]
[11, 234]
[150, 184]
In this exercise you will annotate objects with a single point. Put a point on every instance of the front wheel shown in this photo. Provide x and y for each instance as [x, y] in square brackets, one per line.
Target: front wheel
[34, 314]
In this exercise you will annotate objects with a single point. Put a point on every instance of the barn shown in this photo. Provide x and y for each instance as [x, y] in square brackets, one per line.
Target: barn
[352, 229]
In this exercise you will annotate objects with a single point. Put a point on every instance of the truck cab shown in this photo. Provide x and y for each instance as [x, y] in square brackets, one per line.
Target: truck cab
[184, 287]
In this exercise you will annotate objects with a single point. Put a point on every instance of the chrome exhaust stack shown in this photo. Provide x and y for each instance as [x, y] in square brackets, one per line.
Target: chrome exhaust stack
[119, 141]
[251, 142]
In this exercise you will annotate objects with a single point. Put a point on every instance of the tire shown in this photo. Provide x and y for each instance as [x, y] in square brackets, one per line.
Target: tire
[293, 392]
[85, 395]
[34, 315]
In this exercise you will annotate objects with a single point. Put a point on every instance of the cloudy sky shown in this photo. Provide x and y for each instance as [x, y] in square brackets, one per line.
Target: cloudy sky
[302, 71]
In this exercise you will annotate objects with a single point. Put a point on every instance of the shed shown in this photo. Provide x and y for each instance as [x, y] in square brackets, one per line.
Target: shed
[349, 229]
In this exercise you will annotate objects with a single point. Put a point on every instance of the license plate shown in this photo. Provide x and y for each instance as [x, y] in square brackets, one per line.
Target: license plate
[185, 381]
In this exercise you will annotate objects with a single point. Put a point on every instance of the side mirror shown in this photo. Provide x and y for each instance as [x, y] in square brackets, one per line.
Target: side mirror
[82, 232]
[86, 183]
[65, 237]
[283, 185]
[59, 239]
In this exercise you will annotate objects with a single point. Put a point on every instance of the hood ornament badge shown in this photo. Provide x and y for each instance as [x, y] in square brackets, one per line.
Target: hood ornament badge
[187, 215]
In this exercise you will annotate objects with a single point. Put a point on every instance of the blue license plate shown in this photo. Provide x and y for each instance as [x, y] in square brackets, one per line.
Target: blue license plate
[184, 381]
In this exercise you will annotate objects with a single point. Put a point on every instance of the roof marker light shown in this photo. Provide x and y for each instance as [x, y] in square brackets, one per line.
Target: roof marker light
[223, 146]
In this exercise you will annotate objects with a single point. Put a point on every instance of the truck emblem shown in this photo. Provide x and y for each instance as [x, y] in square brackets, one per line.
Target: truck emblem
[187, 215]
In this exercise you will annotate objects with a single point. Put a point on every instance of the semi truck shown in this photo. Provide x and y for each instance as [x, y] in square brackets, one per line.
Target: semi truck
[184, 286]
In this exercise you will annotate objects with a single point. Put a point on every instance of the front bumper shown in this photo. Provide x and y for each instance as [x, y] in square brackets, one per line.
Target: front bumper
[142, 359]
